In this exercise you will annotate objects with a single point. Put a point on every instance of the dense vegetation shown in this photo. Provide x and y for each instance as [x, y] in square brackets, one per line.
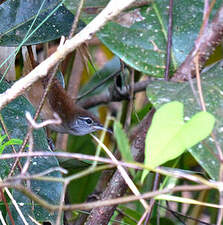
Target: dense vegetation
[152, 73]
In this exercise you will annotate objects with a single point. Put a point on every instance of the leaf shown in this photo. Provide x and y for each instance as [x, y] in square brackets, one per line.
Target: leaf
[109, 68]
[139, 36]
[168, 137]
[20, 15]
[14, 119]
[2, 138]
[160, 92]
[10, 142]
[123, 142]
[142, 43]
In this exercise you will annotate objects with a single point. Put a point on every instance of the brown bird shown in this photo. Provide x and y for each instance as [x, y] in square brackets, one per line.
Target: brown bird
[75, 119]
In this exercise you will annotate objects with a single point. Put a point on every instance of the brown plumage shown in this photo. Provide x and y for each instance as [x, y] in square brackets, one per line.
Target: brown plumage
[63, 104]
[75, 120]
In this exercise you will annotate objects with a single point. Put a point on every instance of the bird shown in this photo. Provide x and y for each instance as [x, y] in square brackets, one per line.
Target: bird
[75, 120]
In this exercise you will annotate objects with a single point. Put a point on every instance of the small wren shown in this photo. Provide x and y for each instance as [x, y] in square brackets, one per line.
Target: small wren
[75, 120]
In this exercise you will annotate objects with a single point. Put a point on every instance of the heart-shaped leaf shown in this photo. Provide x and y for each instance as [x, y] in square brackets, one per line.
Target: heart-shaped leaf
[169, 136]
[160, 92]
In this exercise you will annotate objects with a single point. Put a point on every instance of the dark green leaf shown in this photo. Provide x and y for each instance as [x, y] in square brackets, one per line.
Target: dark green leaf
[131, 215]
[142, 43]
[80, 189]
[160, 92]
[20, 15]
[14, 118]
[139, 36]
[109, 68]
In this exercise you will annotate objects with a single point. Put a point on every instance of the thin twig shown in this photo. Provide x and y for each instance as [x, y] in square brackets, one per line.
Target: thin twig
[76, 19]
[100, 84]
[28, 159]
[56, 120]
[105, 97]
[131, 100]
[206, 16]
[122, 171]
[169, 41]
[34, 221]
[62, 198]
[37, 175]
[173, 213]
[143, 217]
[194, 178]
[199, 87]
[16, 206]
[183, 215]
[220, 211]
[202, 103]
[7, 206]
[1, 216]
[152, 201]
[205, 44]
[109, 202]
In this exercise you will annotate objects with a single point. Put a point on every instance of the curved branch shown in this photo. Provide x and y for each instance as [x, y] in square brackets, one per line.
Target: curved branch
[205, 45]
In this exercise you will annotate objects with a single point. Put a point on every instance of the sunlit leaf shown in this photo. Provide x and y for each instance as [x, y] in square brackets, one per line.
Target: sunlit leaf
[169, 136]
[160, 92]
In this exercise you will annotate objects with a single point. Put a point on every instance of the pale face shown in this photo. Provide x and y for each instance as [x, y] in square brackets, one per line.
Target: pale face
[84, 125]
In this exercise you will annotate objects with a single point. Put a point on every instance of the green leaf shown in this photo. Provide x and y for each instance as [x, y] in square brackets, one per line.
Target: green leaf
[139, 36]
[160, 92]
[20, 15]
[14, 119]
[2, 138]
[123, 142]
[142, 43]
[112, 66]
[10, 142]
[168, 137]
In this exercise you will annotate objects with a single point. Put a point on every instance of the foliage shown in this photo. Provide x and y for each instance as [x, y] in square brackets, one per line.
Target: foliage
[15, 121]
[168, 125]
[4, 144]
[138, 37]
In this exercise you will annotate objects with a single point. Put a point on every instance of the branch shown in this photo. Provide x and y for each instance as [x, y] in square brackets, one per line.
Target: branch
[205, 45]
[104, 203]
[117, 186]
[113, 95]
[110, 11]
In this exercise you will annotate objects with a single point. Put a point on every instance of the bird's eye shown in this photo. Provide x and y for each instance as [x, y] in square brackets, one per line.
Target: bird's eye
[89, 121]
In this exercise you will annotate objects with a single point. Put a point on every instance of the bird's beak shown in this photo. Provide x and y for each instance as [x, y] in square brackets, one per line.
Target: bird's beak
[101, 127]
